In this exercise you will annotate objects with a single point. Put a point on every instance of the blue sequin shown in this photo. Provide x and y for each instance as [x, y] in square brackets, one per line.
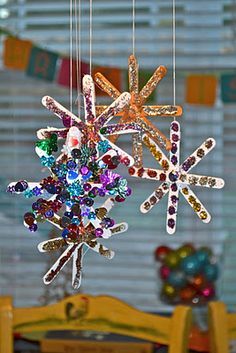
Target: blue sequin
[72, 175]
[37, 191]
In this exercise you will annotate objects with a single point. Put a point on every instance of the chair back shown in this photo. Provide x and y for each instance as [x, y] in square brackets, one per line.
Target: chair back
[99, 313]
[222, 327]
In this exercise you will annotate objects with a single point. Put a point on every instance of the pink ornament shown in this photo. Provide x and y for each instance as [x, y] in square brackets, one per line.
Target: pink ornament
[208, 292]
[164, 272]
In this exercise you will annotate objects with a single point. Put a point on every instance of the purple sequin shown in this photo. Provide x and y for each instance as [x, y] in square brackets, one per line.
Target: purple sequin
[171, 223]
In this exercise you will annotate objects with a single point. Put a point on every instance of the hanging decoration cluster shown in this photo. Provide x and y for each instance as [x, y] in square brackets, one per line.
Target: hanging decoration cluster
[82, 171]
[188, 274]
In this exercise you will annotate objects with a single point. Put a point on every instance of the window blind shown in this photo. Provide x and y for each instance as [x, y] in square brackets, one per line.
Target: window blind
[205, 43]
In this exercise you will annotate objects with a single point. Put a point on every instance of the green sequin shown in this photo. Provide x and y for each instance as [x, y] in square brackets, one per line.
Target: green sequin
[48, 145]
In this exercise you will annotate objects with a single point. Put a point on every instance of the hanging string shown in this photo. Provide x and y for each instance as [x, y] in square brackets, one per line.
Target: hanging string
[78, 51]
[80, 73]
[90, 34]
[71, 54]
[174, 53]
[133, 26]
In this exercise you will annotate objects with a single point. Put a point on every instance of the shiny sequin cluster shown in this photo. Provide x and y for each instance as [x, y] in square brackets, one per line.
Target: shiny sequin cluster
[175, 177]
[136, 111]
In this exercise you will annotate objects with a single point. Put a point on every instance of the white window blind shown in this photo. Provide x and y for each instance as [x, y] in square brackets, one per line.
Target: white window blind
[205, 43]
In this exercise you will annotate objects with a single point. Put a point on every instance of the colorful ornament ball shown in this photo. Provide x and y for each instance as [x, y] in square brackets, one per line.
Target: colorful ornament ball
[188, 274]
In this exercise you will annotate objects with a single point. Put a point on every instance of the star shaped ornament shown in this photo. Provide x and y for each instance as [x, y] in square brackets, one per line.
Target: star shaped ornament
[88, 131]
[76, 240]
[78, 176]
[175, 177]
[136, 111]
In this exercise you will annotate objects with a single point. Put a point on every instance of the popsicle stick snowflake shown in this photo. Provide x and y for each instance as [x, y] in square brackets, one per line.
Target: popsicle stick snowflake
[74, 245]
[175, 178]
[77, 177]
[88, 132]
[136, 111]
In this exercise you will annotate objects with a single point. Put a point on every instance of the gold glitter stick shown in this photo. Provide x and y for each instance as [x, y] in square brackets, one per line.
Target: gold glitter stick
[150, 86]
[195, 203]
[106, 86]
[136, 111]
[77, 268]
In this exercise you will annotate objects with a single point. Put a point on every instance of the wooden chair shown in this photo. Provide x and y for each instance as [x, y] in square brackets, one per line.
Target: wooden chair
[222, 327]
[99, 313]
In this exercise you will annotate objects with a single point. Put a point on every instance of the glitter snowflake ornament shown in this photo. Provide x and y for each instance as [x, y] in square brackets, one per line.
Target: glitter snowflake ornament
[94, 129]
[86, 236]
[175, 177]
[78, 176]
[136, 111]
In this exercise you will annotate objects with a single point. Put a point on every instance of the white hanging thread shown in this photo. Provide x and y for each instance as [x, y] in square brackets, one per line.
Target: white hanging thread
[80, 73]
[133, 26]
[90, 34]
[78, 51]
[174, 53]
[71, 54]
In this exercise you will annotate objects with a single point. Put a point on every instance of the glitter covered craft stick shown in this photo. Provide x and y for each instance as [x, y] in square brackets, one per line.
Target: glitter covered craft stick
[150, 86]
[118, 105]
[154, 198]
[137, 149]
[77, 268]
[164, 111]
[198, 154]
[196, 204]
[119, 228]
[121, 128]
[106, 86]
[48, 132]
[89, 100]
[173, 196]
[60, 263]
[62, 113]
[175, 177]
[52, 244]
[205, 181]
